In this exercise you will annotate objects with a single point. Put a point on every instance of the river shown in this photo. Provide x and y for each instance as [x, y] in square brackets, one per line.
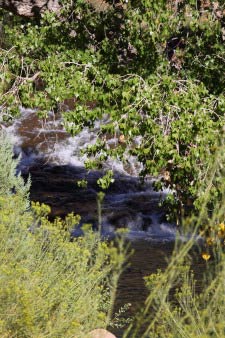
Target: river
[55, 162]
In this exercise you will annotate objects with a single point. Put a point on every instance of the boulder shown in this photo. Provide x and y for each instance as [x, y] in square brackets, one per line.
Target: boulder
[101, 333]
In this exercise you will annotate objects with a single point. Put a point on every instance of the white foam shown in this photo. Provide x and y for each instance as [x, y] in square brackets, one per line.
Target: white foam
[65, 150]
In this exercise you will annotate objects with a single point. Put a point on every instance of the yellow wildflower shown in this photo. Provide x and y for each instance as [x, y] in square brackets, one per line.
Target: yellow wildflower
[222, 227]
[206, 256]
[210, 240]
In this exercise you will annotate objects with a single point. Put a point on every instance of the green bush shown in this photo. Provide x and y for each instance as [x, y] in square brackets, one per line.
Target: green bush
[50, 285]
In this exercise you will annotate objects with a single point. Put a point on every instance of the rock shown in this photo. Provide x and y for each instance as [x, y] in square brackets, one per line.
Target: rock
[101, 333]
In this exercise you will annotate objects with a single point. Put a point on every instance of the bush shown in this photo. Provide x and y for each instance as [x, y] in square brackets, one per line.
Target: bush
[50, 285]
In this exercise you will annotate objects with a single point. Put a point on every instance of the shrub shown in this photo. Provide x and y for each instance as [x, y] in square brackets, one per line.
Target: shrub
[50, 285]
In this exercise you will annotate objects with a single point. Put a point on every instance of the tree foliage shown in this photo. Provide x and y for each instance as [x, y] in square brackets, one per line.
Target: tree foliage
[154, 69]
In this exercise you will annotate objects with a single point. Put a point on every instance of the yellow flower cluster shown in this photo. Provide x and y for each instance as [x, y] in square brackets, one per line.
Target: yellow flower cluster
[215, 236]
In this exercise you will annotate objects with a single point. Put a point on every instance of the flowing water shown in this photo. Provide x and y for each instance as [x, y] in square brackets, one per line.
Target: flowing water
[55, 162]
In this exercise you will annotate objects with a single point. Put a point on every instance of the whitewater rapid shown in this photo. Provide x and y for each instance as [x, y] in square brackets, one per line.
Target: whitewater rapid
[55, 160]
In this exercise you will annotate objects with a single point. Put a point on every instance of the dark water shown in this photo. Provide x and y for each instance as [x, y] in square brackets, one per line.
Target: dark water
[56, 163]
[147, 259]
